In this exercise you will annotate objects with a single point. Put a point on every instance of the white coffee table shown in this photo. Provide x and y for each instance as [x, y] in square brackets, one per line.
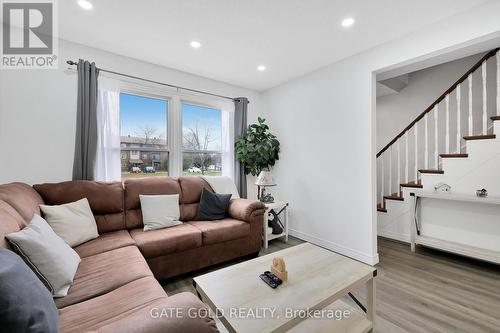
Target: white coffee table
[318, 279]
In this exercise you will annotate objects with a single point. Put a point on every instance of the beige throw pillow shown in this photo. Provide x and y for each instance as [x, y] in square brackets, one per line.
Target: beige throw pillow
[73, 222]
[52, 260]
[160, 211]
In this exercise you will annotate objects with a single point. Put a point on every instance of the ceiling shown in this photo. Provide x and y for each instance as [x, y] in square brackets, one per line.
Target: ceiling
[290, 37]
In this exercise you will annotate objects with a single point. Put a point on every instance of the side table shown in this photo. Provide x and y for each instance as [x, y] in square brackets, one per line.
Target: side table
[281, 209]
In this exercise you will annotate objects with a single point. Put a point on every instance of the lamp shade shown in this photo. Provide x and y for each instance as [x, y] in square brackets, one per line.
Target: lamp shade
[265, 178]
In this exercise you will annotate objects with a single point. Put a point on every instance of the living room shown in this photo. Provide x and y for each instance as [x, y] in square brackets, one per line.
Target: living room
[203, 166]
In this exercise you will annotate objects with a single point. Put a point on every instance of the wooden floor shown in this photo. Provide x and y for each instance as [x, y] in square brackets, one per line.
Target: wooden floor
[426, 291]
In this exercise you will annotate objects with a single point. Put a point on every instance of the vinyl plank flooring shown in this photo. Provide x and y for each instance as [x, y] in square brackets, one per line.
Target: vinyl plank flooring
[426, 291]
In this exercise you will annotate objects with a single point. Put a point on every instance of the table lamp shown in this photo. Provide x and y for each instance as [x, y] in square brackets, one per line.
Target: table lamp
[264, 179]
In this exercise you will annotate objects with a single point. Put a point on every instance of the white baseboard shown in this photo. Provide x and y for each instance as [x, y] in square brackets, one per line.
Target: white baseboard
[354, 254]
[394, 235]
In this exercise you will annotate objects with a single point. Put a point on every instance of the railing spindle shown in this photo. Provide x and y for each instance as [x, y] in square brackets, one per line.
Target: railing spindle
[399, 165]
[485, 100]
[382, 182]
[436, 135]
[390, 170]
[471, 121]
[459, 120]
[416, 152]
[426, 142]
[498, 83]
[447, 136]
[406, 158]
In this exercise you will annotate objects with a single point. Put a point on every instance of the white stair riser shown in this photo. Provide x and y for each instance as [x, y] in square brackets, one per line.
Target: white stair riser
[396, 224]
[481, 149]
[496, 127]
[486, 175]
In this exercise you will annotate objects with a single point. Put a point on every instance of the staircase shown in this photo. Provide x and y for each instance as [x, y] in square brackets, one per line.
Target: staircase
[456, 141]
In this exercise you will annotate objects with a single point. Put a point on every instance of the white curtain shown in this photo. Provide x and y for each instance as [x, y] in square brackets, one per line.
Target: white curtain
[227, 157]
[108, 166]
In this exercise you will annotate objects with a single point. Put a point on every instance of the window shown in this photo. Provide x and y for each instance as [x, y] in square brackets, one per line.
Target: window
[201, 140]
[143, 134]
[163, 134]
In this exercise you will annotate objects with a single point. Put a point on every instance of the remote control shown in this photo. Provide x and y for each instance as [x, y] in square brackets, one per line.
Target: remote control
[272, 280]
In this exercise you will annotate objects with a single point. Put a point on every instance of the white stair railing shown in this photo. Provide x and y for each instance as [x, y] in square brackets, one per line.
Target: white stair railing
[388, 177]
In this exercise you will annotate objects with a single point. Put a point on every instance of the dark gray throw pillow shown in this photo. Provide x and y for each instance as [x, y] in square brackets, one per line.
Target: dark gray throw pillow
[25, 303]
[213, 206]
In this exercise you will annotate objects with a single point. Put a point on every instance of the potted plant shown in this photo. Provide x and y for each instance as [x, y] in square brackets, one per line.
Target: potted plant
[257, 149]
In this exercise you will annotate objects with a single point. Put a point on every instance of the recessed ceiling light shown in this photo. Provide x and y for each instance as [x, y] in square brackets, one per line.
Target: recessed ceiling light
[261, 68]
[347, 22]
[85, 4]
[195, 44]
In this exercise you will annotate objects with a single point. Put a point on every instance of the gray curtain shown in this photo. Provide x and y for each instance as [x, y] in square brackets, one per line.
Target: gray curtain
[86, 122]
[240, 125]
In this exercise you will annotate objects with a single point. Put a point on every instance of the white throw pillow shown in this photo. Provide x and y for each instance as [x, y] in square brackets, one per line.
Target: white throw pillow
[73, 222]
[160, 211]
[52, 260]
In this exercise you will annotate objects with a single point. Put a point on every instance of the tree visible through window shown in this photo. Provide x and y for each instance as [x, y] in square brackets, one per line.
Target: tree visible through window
[201, 140]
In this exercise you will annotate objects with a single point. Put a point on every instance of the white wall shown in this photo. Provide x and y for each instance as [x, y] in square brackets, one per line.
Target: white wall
[38, 111]
[326, 123]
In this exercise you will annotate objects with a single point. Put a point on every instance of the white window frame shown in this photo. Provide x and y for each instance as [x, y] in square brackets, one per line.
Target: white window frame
[174, 115]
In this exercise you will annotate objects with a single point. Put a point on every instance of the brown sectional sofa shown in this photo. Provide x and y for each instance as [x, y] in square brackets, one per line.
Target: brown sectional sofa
[115, 286]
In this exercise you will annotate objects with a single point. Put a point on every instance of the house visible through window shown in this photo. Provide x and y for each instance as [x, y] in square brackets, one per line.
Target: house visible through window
[148, 124]
[143, 134]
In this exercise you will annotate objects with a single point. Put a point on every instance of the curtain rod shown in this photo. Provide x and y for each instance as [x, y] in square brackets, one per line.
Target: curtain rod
[73, 63]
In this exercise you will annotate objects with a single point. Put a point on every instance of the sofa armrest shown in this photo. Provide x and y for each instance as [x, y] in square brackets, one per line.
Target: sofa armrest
[245, 209]
[179, 313]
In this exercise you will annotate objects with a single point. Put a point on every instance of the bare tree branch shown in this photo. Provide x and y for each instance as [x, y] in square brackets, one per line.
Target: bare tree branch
[147, 131]
[194, 140]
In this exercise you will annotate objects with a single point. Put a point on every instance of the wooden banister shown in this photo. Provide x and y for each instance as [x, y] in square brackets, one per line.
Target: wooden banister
[440, 98]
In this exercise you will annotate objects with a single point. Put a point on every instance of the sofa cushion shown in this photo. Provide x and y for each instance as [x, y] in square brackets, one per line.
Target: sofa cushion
[22, 198]
[105, 242]
[10, 221]
[102, 310]
[104, 272]
[155, 243]
[148, 186]
[151, 319]
[105, 199]
[25, 304]
[221, 230]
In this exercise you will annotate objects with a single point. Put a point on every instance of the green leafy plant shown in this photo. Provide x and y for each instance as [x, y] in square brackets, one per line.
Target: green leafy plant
[257, 149]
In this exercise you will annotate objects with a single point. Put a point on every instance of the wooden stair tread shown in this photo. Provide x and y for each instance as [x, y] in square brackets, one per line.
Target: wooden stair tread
[480, 137]
[394, 196]
[412, 184]
[494, 118]
[453, 155]
[438, 172]
[381, 209]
